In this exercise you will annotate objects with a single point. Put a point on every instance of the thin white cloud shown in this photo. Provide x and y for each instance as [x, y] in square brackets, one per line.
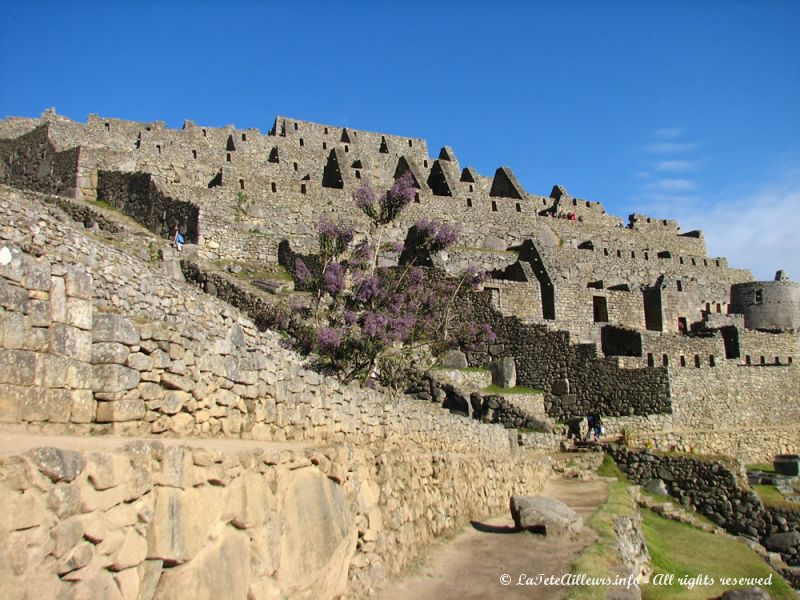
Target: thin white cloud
[671, 185]
[670, 147]
[669, 133]
[757, 230]
[678, 166]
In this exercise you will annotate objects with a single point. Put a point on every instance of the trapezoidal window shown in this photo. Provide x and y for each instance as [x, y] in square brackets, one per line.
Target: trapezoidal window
[679, 285]
[204, 133]
[600, 309]
[241, 184]
[683, 360]
[194, 153]
[301, 142]
[758, 297]
[494, 206]
[519, 208]
[469, 202]
[244, 137]
[295, 166]
[302, 188]
[228, 157]
[274, 187]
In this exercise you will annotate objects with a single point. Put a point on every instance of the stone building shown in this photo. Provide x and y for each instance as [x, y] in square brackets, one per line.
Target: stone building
[630, 316]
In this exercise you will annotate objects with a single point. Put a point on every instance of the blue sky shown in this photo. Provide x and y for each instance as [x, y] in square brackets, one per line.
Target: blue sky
[687, 110]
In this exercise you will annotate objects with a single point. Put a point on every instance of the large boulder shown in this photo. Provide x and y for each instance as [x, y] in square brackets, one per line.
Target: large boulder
[783, 542]
[454, 359]
[319, 537]
[220, 570]
[656, 486]
[504, 372]
[544, 515]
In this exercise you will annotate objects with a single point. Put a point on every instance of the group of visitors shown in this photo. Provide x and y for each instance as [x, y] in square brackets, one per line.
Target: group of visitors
[594, 429]
[569, 216]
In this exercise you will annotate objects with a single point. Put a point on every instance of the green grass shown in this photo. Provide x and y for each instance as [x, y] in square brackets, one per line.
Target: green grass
[683, 551]
[675, 548]
[495, 389]
[102, 204]
[600, 559]
[609, 468]
[763, 467]
[770, 496]
[252, 271]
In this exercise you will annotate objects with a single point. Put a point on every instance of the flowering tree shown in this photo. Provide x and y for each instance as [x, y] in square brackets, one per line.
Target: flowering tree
[367, 320]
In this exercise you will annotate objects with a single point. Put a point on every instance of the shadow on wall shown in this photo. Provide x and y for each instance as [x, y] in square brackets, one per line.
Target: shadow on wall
[31, 162]
[136, 195]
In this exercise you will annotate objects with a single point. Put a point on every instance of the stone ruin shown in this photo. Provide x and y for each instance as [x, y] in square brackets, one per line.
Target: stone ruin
[203, 458]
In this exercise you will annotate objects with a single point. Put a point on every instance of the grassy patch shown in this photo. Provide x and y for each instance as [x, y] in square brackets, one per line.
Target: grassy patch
[102, 204]
[500, 391]
[763, 467]
[599, 560]
[770, 496]
[609, 468]
[683, 551]
[252, 271]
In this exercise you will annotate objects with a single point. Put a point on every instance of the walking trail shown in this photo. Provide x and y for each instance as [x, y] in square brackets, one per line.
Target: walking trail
[471, 565]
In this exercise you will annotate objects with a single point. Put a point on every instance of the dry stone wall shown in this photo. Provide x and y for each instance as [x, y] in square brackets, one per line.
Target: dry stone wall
[122, 347]
[31, 162]
[575, 379]
[717, 490]
[146, 519]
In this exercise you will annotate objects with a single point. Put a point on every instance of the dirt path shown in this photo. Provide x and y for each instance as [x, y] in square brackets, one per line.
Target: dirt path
[470, 565]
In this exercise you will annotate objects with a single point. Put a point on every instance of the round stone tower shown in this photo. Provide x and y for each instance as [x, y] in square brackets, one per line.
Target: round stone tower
[768, 305]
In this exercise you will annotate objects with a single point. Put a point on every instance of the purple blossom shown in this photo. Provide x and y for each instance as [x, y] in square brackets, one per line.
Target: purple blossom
[301, 271]
[350, 317]
[435, 235]
[373, 325]
[401, 328]
[329, 339]
[365, 200]
[399, 247]
[333, 237]
[396, 199]
[367, 289]
[333, 278]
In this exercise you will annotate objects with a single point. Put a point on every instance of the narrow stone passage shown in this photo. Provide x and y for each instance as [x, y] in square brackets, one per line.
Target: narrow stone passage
[470, 565]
